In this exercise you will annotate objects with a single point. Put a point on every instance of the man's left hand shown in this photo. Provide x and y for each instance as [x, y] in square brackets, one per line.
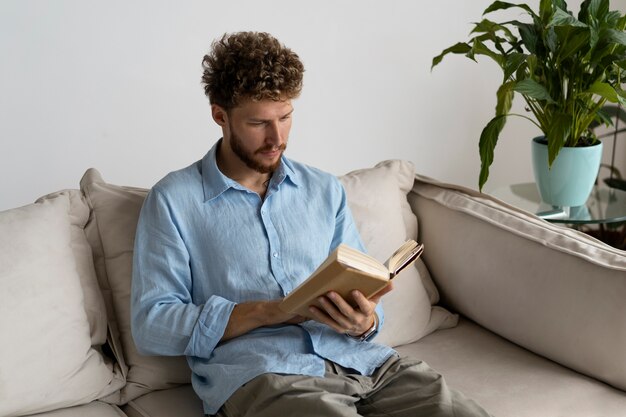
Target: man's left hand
[337, 313]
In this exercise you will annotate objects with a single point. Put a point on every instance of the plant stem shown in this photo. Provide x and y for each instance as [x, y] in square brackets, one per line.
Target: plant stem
[524, 117]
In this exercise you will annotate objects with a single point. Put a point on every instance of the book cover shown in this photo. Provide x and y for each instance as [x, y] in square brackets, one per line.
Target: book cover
[347, 269]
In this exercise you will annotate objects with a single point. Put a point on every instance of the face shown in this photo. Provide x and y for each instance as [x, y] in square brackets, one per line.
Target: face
[257, 132]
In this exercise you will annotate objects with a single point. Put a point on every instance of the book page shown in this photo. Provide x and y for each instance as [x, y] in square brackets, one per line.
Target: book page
[404, 256]
[356, 259]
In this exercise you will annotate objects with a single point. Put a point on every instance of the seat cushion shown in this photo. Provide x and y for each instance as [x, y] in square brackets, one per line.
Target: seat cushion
[93, 409]
[508, 380]
[504, 378]
[180, 402]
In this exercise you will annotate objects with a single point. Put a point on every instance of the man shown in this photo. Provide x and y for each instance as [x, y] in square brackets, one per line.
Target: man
[221, 242]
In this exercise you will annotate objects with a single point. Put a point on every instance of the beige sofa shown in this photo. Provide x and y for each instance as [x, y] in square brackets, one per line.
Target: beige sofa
[526, 317]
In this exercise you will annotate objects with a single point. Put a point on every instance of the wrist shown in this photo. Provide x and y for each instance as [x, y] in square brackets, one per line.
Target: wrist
[369, 333]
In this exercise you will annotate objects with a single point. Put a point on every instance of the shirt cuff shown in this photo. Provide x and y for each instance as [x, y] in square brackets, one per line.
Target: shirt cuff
[210, 327]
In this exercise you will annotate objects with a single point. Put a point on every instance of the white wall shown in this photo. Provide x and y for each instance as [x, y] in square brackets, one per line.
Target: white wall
[116, 85]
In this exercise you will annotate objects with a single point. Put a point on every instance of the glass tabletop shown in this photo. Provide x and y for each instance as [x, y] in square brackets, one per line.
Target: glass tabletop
[605, 205]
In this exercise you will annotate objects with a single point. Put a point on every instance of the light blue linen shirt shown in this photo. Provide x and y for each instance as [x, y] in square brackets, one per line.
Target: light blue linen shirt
[205, 243]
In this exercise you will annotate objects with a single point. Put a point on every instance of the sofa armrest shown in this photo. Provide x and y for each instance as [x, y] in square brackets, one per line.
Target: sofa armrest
[552, 290]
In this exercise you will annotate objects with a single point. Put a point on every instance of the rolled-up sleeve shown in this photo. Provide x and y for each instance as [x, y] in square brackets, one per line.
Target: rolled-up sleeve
[164, 319]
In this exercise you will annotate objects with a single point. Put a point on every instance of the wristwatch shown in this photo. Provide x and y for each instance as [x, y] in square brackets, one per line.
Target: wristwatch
[369, 333]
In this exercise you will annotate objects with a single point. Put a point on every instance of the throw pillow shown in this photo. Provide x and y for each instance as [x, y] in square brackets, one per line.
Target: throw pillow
[94, 302]
[378, 200]
[46, 356]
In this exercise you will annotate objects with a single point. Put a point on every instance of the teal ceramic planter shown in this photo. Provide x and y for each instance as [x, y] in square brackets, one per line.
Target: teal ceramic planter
[572, 176]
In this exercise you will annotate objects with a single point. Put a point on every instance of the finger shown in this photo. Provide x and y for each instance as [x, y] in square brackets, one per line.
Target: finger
[343, 317]
[365, 306]
[321, 316]
[344, 307]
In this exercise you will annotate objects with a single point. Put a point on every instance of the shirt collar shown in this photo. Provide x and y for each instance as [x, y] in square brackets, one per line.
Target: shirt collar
[214, 183]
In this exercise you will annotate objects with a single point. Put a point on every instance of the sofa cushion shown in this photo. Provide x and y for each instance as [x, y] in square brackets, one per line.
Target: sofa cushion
[111, 233]
[378, 200]
[505, 379]
[567, 304]
[180, 402]
[46, 356]
[93, 409]
[508, 380]
[83, 257]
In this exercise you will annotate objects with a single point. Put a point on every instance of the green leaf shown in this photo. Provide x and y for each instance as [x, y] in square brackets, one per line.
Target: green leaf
[604, 117]
[604, 90]
[594, 37]
[479, 48]
[505, 98]
[557, 136]
[562, 18]
[572, 40]
[621, 96]
[502, 5]
[487, 26]
[598, 9]
[523, 70]
[583, 13]
[545, 10]
[458, 48]
[486, 146]
[614, 36]
[533, 89]
[613, 18]
[512, 63]
[552, 40]
[609, 47]
[529, 35]
[491, 132]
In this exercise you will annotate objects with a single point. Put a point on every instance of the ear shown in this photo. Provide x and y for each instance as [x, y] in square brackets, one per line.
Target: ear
[219, 114]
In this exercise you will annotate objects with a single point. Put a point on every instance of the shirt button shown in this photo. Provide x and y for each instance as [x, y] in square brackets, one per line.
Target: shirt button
[275, 254]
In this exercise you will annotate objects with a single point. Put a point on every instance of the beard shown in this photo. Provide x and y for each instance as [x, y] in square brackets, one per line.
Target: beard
[248, 157]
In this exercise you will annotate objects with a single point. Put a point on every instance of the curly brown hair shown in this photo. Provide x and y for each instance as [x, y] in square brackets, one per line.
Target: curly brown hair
[250, 65]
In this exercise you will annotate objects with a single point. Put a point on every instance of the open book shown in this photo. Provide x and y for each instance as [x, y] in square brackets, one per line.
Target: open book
[348, 269]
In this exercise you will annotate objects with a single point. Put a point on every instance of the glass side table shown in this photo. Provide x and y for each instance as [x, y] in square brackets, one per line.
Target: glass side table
[605, 205]
[603, 216]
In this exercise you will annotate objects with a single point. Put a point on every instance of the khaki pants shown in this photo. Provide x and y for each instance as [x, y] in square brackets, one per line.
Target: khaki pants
[400, 387]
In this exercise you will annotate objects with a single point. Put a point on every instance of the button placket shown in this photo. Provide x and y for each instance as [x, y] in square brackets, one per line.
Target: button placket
[274, 247]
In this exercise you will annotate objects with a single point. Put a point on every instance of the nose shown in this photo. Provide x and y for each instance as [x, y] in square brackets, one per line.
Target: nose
[273, 134]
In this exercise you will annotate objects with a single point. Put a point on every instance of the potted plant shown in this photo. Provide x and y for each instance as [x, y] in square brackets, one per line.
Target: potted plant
[566, 68]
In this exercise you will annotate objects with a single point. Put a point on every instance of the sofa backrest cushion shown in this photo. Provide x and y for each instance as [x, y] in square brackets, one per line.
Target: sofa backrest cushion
[550, 289]
[49, 356]
[111, 233]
